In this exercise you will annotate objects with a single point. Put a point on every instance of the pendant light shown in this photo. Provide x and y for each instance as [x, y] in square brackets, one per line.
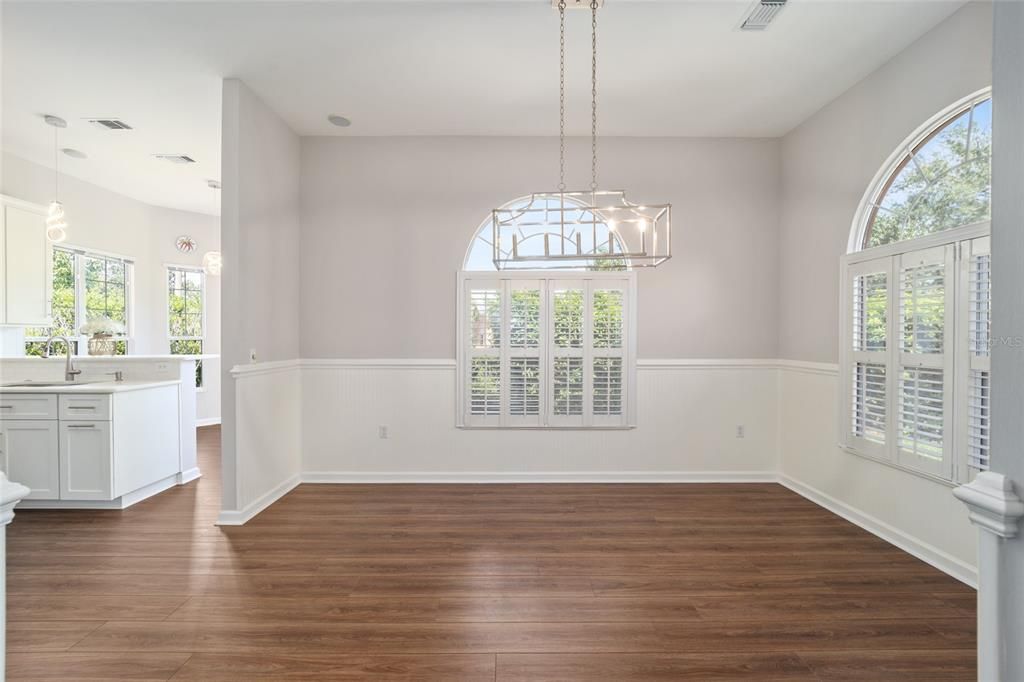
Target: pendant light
[56, 224]
[213, 261]
[592, 228]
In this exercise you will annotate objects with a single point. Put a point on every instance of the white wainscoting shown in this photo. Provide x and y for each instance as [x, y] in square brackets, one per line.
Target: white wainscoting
[318, 421]
[268, 407]
[688, 413]
[917, 514]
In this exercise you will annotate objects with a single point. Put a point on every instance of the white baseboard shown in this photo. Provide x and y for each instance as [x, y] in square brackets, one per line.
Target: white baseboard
[123, 502]
[934, 556]
[540, 477]
[189, 475]
[208, 421]
[240, 517]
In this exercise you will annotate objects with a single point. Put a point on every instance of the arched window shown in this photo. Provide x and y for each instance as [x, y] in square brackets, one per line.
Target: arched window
[939, 179]
[544, 348]
[480, 256]
[915, 321]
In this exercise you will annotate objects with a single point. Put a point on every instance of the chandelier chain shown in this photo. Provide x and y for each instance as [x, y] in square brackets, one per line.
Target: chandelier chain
[593, 95]
[561, 96]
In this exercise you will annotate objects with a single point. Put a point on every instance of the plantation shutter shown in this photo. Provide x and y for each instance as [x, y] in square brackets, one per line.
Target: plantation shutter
[484, 326]
[975, 361]
[607, 347]
[869, 325]
[524, 353]
[540, 350]
[924, 360]
[569, 331]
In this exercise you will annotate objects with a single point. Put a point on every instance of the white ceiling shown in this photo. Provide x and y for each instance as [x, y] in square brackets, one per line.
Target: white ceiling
[483, 67]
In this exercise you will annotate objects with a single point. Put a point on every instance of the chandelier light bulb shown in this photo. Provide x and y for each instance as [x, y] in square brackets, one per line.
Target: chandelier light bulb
[642, 225]
[612, 225]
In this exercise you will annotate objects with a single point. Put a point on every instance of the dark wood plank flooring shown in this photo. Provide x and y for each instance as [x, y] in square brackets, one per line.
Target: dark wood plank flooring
[451, 582]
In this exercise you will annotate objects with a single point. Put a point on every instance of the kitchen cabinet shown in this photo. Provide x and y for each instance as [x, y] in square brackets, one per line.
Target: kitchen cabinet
[28, 454]
[26, 262]
[102, 445]
[85, 459]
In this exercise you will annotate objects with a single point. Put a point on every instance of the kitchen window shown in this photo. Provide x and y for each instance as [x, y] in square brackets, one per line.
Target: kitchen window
[186, 313]
[86, 286]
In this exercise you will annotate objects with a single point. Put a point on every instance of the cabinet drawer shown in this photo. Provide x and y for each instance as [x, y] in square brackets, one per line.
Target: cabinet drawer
[28, 406]
[91, 407]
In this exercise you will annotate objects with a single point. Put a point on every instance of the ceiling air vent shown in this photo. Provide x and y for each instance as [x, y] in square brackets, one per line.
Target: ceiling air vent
[762, 14]
[175, 158]
[109, 123]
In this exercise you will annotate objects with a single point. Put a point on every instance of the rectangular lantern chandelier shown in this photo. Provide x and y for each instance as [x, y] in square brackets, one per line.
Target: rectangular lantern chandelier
[593, 228]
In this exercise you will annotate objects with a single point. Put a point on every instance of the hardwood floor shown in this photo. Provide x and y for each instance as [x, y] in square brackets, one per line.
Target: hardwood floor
[453, 582]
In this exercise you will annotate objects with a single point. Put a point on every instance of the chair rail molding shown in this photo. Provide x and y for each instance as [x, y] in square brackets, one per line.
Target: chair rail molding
[10, 494]
[996, 510]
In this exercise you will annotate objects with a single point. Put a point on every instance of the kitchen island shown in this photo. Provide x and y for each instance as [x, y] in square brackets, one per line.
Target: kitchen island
[91, 444]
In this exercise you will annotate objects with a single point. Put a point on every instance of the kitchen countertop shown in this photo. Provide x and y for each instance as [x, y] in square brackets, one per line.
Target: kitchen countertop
[112, 358]
[88, 387]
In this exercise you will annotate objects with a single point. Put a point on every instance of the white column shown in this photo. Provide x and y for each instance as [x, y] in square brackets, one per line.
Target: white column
[996, 510]
[10, 494]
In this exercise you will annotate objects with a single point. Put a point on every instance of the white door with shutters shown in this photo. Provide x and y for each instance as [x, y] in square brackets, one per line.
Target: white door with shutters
[85, 457]
[29, 456]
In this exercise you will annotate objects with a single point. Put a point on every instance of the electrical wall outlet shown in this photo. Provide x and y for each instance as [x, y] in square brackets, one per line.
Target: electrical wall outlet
[382, 431]
[740, 431]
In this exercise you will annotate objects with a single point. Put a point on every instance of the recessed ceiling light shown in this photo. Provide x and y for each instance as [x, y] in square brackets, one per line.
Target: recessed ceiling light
[339, 121]
[55, 121]
[74, 153]
[213, 184]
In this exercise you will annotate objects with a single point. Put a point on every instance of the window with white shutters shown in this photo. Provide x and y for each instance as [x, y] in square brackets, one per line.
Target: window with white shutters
[915, 330]
[546, 349]
[915, 359]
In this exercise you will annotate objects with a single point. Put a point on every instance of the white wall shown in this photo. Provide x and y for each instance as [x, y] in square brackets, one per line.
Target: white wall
[386, 223]
[102, 220]
[1008, 310]
[260, 232]
[827, 164]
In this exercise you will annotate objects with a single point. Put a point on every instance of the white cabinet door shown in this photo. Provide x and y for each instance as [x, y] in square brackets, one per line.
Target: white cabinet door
[28, 455]
[28, 255]
[85, 453]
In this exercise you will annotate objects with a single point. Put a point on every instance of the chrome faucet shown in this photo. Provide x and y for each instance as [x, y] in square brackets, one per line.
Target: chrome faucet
[69, 369]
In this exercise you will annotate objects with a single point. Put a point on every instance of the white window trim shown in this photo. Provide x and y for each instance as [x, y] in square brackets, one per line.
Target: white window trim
[628, 278]
[80, 253]
[955, 470]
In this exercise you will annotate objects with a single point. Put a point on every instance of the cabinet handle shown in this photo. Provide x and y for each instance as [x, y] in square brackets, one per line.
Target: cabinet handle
[83, 407]
[6, 407]
[81, 426]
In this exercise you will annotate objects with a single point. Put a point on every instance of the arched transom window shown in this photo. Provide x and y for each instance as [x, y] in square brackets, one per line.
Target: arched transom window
[939, 180]
[480, 256]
